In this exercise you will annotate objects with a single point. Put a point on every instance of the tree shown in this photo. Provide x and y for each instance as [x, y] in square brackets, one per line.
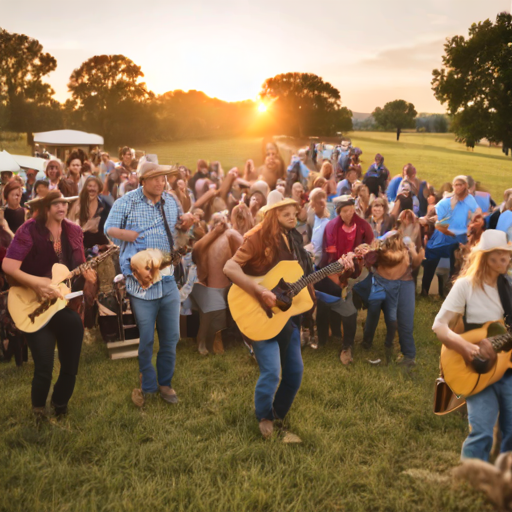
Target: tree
[396, 115]
[23, 65]
[106, 88]
[476, 82]
[303, 104]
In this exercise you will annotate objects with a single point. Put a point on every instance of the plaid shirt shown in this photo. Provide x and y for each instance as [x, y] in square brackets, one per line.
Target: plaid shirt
[136, 212]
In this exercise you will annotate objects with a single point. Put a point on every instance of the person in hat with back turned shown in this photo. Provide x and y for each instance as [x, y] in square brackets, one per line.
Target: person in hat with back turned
[39, 243]
[273, 240]
[142, 219]
[482, 293]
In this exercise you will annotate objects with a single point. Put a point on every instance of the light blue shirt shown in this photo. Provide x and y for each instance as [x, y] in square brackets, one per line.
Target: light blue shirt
[458, 218]
[343, 187]
[317, 237]
[134, 211]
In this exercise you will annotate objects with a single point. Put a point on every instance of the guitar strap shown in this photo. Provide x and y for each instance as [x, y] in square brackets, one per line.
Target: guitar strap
[179, 271]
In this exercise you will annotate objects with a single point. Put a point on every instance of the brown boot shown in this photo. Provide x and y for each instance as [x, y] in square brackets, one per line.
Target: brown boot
[346, 356]
[266, 428]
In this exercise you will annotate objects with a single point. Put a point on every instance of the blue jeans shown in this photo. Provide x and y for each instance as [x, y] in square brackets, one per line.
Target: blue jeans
[165, 312]
[278, 356]
[483, 409]
[398, 307]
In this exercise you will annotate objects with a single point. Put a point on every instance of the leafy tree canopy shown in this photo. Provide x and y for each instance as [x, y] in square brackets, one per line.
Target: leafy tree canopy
[105, 80]
[106, 89]
[304, 104]
[396, 115]
[23, 65]
[476, 81]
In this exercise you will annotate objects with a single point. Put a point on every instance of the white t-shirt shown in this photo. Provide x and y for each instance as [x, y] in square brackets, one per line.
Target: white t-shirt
[480, 305]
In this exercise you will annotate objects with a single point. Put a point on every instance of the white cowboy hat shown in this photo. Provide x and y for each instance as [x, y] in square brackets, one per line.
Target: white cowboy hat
[276, 200]
[493, 240]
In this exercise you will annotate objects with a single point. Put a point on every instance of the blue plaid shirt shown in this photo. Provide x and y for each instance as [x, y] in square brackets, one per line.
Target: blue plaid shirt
[136, 212]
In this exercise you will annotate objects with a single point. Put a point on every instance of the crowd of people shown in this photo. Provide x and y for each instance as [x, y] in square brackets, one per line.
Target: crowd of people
[227, 226]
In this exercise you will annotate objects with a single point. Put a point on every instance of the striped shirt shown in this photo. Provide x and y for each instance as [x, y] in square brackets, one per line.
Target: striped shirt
[134, 211]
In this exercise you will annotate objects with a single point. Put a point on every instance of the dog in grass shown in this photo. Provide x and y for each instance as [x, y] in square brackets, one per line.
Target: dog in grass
[493, 479]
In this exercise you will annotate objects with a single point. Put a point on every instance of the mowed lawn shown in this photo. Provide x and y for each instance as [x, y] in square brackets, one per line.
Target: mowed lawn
[370, 439]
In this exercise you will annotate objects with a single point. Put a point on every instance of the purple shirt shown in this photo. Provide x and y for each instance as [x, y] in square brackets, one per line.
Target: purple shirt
[32, 246]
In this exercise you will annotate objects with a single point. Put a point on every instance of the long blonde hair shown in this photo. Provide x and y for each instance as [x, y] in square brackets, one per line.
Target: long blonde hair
[475, 268]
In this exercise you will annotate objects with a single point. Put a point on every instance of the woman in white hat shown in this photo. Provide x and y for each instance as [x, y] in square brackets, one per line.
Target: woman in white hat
[482, 293]
[279, 359]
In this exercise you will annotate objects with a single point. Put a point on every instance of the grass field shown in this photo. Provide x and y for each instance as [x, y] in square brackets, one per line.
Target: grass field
[370, 439]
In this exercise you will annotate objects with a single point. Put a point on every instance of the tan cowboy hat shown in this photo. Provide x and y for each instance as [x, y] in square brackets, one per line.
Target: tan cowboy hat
[493, 240]
[276, 200]
[54, 196]
[150, 170]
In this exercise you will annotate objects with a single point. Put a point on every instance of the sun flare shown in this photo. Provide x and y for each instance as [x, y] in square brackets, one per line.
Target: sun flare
[262, 107]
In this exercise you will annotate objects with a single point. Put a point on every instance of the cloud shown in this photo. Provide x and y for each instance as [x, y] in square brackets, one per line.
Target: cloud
[420, 57]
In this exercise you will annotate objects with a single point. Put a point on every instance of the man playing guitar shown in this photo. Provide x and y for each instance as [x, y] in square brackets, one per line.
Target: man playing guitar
[270, 242]
[39, 243]
[482, 293]
[145, 219]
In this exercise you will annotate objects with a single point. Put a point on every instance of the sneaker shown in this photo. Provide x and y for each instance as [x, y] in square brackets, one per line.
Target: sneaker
[346, 356]
[266, 428]
[168, 395]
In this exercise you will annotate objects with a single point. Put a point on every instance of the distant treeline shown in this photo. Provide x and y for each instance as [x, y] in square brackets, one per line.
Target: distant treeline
[427, 123]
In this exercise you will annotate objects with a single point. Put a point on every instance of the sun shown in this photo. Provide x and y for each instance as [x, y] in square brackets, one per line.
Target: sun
[262, 107]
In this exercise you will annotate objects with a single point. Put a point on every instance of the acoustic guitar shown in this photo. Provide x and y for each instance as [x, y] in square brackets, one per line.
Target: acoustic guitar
[287, 282]
[29, 313]
[467, 380]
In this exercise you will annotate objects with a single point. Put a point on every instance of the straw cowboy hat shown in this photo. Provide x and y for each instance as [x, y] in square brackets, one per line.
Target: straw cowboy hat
[276, 200]
[493, 240]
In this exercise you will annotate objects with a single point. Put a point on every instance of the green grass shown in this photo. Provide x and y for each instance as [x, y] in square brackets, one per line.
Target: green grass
[370, 439]
[437, 158]
[15, 143]
[231, 152]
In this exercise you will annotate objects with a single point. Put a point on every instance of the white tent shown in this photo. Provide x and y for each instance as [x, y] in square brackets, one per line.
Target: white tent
[7, 162]
[31, 162]
[68, 138]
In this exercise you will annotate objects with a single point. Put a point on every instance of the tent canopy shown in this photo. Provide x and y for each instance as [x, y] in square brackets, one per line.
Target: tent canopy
[7, 162]
[31, 162]
[68, 138]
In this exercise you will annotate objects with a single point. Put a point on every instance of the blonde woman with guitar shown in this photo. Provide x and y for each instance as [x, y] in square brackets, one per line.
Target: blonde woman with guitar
[39, 243]
[477, 364]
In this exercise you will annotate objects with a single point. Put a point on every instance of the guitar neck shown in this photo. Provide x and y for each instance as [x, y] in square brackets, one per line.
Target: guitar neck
[502, 342]
[90, 264]
[333, 268]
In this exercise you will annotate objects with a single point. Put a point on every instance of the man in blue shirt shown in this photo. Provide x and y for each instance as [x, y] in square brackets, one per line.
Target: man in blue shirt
[453, 216]
[136, 222]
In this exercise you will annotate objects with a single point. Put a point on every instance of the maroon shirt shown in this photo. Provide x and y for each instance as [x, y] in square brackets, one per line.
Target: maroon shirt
[32, 246]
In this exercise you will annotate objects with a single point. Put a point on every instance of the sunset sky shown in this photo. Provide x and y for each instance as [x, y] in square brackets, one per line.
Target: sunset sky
[373, 51]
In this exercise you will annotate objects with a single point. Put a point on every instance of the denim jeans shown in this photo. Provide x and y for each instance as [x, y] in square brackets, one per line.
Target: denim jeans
[165, 312]
[398, 307]
[278, 356]
[483, 409]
